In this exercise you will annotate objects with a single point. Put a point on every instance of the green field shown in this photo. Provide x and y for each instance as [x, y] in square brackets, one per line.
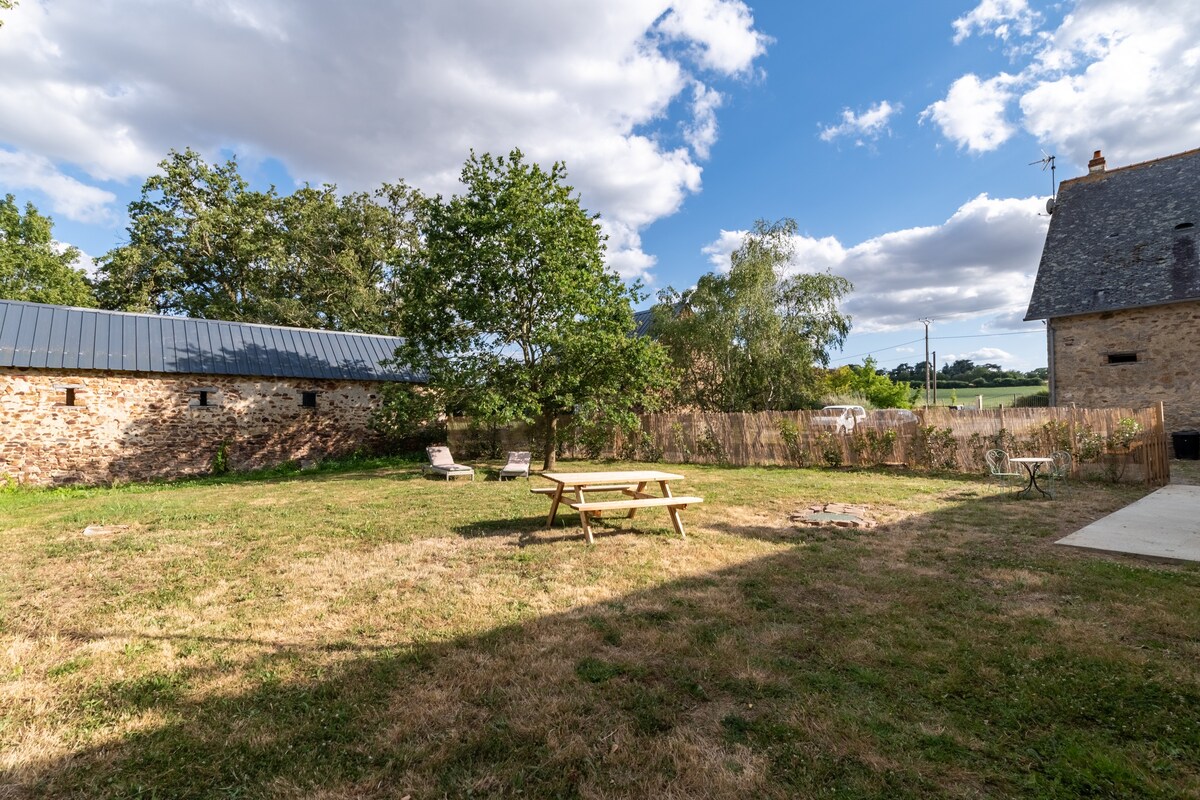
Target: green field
[992, 397]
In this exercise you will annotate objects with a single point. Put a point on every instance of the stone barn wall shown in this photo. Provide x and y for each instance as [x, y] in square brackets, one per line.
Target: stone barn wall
[1165, 341]
[127, 426]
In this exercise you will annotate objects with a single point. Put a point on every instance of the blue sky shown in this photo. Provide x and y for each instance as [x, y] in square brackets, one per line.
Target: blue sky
[898, 139]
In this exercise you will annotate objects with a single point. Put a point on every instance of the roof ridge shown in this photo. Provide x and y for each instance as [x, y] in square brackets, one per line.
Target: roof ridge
[196, 319]
[1091, 176]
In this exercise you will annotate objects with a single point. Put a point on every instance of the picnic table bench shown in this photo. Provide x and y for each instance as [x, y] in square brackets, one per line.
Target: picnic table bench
[632, 484]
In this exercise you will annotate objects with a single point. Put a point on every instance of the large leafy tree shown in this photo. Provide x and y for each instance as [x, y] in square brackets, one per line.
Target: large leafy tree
[202, 243]
[515, 316]
[32, 266]
[751, 340]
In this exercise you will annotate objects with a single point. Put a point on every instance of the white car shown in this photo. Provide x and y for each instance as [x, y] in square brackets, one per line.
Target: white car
[841, 419]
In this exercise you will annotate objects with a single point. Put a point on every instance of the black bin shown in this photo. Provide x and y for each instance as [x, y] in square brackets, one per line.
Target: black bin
[1186, 444]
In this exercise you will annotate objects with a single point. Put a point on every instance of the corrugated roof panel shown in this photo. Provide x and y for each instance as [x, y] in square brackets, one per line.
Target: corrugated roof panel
[199, 347]
[360, 356]
[39, 348]
[168, 343]
[10, 323]
[339, 357]
[238, 343]
[229, 350]
[295, 354]
[128, 352]
[57, 338]
[71, 340]
[281, 361]
[154, 344]
[141, 347]
[322, 356]
[257, 352]
[90, 339]
[87, 341]
[13, 328]
[25, 333]
[308, 351]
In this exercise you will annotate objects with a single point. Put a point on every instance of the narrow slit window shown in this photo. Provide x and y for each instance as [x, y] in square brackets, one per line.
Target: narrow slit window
[69, 397]
[308, 399]
[204, 397]
[1122, 358]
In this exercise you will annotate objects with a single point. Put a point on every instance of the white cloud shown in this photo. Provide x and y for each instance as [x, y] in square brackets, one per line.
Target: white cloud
[701, 133]
[720, 31]
[1120, 77]
[999, 18]
[973, 113]
[380, 91]
[980, 262]
[1114, 75]
[870, 124]
[984, 355]
[69, 197]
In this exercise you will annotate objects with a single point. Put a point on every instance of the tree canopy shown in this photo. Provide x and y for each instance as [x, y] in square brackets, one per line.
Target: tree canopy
[203, 244]
[752, 339]
[32, 266]
[514, 316]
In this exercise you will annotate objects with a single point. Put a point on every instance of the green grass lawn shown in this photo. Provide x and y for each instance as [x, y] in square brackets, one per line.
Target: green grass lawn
[370, 633]
[993, 397]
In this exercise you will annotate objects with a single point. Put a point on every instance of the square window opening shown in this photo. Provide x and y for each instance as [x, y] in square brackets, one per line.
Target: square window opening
[1122, 358]
[69, 399]
[308, 399]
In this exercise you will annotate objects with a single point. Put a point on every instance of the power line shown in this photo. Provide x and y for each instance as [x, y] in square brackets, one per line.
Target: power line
[932, 339]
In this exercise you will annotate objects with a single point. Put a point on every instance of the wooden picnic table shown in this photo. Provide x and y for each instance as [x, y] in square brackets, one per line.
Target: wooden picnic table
[631, 483]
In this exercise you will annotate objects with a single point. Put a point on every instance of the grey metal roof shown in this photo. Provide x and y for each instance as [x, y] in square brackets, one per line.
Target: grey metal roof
[1125, 238]
[58, 337]
[642, 321]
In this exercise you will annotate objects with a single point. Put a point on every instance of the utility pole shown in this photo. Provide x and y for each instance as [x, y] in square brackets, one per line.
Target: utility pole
[935, 377]
[926, 322]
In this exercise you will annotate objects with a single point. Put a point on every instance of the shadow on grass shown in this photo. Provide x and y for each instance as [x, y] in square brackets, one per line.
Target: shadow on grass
[845, 669]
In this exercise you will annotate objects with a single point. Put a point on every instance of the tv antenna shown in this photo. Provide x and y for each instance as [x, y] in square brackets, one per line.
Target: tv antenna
[1047, 160]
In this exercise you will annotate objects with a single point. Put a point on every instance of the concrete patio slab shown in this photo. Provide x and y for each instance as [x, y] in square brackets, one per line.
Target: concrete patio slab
[1163, 524]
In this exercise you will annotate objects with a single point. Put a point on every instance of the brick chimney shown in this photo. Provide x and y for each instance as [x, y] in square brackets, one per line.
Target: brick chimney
[1096, 165]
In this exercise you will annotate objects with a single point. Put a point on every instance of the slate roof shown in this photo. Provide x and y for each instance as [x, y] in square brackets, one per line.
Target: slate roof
[1124, 238]
[58, 337]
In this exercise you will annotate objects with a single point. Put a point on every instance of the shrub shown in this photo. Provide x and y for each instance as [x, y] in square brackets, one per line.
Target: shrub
[408, 418]
[936, 448]
[1036, 400]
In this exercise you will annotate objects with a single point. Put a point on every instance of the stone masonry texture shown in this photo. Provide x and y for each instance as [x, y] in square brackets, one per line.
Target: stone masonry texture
[127, 427]
[1167, 369]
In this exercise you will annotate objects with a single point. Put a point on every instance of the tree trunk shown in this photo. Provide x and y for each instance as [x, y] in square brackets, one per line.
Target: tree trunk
[551, 443]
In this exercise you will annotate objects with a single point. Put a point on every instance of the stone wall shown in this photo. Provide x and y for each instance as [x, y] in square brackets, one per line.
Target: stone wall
[1166, 343]
[127, 426]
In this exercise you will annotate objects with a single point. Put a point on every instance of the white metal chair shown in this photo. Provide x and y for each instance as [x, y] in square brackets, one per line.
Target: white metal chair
[442, 463]
[1060, 470]
[517, 466]
[1001, 471]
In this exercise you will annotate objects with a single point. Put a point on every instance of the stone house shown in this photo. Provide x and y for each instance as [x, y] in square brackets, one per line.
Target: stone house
[92, 396]
[1119, 288]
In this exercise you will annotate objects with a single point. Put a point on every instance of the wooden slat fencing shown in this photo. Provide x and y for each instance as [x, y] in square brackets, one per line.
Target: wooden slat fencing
[938, 438]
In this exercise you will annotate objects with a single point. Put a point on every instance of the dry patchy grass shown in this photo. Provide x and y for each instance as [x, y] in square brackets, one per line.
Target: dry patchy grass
[372, 634]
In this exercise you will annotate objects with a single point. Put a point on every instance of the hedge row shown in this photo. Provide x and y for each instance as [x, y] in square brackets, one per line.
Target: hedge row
[998, 383]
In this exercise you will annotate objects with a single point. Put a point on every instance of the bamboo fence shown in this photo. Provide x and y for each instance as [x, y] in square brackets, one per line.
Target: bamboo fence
[939, 438]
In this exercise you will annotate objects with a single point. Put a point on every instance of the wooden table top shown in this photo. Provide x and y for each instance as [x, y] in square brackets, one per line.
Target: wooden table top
[630, 476]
